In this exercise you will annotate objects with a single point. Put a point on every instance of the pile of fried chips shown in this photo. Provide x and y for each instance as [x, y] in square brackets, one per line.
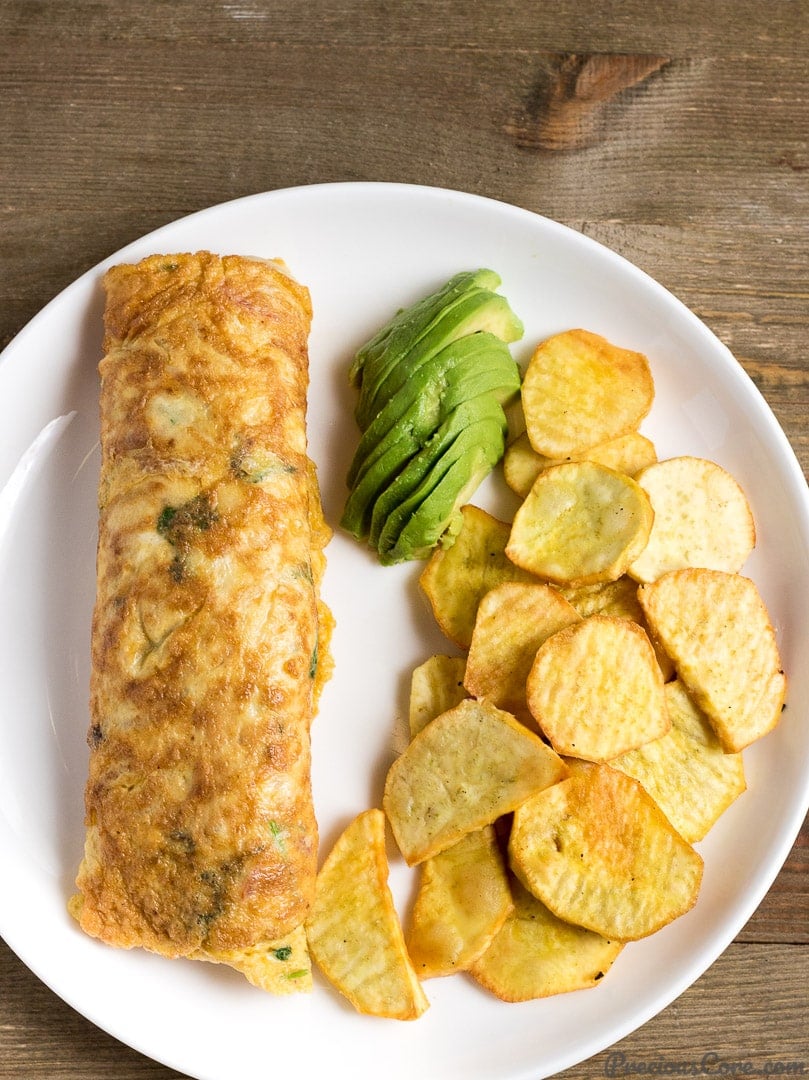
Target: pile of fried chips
[614, 664]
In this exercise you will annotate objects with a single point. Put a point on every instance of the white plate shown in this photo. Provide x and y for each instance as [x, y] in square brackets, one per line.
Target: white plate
[364, 250]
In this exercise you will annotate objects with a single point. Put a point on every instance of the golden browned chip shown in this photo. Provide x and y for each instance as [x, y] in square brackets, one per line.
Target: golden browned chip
[353, 929]
[627, 454]
[596, 690]
[465, 769]
[600, 853]
[462, 901]
[716, 628]
[512, 622]
[581, 523]
[580, 390]
[455, 578]
[435, 686]
[702, 518]
[280, 967]
[536, 954]
[686, 772]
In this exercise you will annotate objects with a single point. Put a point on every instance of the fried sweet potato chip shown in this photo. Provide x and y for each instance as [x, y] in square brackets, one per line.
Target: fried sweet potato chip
[353, 930]
[599, 852]
[512, 622]
[627, 454]
[716, 628]
[702, 518]
[581, 523]
[462, 901]
[535, 954]
[455, 578]
[595, 689]
[619, 598]
[465, 769]
[435, 686]
[686, 772]
[580, 390]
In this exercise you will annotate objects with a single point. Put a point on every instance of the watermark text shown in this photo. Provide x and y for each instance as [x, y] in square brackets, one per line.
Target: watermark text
[618, 1064]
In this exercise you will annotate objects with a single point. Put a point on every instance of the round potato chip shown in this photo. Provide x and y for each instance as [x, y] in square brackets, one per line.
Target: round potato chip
[702, 518]
[464, 770]
[595, 689]
[627, 454]
[435, 686]
[535, 954]
[686, 772]
[455, 578]
[580, 524]
[580, 390]
[716, 628]
[619, 597]
[512, 622]
[598, 851]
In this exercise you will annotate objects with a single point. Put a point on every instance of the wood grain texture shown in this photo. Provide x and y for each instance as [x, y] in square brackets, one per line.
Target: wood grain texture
[574, 100]
[748, 1010]
[676, 134]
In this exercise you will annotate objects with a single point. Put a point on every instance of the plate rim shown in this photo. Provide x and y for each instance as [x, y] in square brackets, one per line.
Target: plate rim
[776, 859]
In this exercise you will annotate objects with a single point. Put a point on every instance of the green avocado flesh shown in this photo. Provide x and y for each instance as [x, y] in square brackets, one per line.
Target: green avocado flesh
[406, 327]
[472, 365]
[477, 310]
[475, 450]
[438, 517]
[478, 418]
[432, 385]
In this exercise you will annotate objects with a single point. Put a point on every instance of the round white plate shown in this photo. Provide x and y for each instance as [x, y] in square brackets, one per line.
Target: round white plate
[364, 250]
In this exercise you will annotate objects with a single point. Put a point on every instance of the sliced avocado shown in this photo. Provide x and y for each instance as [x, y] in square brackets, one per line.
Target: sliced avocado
[487, 432]
[477, 310]
[465, 368]
[356, 518]
[419, 522]
[370, 475]
[445, 442]
[408, 324]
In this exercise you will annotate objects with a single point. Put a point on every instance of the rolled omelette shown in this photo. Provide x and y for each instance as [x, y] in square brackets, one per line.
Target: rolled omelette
[209, 638]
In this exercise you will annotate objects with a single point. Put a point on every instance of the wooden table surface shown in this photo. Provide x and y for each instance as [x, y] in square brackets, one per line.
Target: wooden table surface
[676, 133]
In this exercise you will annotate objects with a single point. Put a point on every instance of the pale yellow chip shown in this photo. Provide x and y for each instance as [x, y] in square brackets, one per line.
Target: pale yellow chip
[513, 621]
[686, 772]
[702, 518]
[462, 901]
[581, 523]
[465, 769]
[716, 628]
[537, 955]
[627, 454]
[596, 689]
[580, 390]
[435, 686]
[600, 853]
[455, 578]
[353, 930]
[618, 598]
[279, 967]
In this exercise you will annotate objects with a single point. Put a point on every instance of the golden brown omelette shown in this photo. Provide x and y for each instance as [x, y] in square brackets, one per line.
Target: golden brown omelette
[209, 639]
